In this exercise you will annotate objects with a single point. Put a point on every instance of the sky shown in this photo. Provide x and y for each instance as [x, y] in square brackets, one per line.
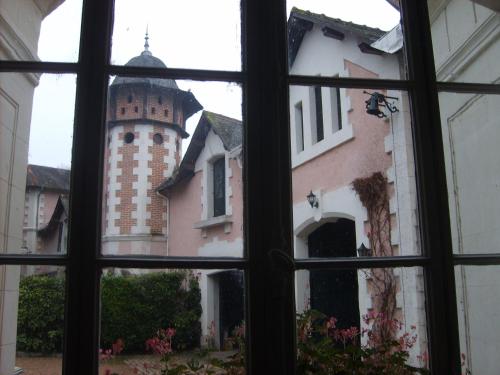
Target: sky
[197, 34]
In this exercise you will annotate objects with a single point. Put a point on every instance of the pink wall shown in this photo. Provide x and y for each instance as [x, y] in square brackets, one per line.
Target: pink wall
[359, 157]
[186, 210]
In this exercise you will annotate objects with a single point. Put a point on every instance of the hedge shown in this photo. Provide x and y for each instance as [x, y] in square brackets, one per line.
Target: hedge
[41, 314]
[133, 308]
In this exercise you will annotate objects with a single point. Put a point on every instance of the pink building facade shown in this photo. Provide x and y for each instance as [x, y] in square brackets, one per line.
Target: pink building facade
[327, 156]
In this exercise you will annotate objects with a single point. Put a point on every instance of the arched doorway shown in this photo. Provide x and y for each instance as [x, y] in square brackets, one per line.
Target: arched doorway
[335, 292]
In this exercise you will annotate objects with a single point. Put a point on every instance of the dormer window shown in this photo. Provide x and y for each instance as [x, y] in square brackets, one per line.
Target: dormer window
[160, 100]
[129, 99]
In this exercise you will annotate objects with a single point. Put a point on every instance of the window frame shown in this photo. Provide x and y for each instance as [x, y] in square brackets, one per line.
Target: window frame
[269, 265]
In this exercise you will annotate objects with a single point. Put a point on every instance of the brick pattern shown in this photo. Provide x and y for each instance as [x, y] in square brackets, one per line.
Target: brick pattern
[157, 208]
[126, 179]
[146, 103]
[124, 214]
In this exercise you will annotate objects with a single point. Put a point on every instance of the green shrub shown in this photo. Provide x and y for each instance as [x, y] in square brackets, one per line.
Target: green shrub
[41, 314]
[135, 307]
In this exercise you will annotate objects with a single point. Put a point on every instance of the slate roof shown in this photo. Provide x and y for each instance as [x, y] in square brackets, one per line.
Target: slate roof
[301, 21]
[48, 177]
[228, 129]
[146, 60]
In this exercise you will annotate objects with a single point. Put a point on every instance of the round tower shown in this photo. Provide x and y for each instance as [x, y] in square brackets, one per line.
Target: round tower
[146, 120]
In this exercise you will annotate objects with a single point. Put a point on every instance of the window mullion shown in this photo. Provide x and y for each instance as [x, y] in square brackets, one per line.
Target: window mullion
[81, 339]
[432, 192]
[270, 302]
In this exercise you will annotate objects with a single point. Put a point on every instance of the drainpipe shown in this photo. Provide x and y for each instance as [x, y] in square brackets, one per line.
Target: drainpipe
[168, 220]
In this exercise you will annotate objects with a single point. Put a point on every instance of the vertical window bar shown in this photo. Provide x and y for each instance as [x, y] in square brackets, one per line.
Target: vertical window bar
[270, 297]
[81, 339]
[432, 191]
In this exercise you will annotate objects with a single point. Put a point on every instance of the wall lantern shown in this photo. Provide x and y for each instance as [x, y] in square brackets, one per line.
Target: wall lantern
[363, 251]
[313, 200]
[379, 100]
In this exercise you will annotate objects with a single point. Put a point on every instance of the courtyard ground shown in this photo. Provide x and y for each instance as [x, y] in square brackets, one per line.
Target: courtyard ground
[53, 365]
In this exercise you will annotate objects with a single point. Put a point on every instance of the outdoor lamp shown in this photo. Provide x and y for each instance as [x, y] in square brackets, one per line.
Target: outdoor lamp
[363, 251]
[379, 100]
[313, 200]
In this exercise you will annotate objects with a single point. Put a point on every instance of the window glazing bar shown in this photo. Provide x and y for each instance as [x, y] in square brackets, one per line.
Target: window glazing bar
[361, 83]
[365, 262]
[13, 259]
[476, 259]
[441, 308]
[82, 299]
[38, 67]
[172, 262]
[173, 73]
[466, 88]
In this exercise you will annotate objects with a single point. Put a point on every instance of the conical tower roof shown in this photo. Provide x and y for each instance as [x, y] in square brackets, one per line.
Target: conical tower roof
[146, 60]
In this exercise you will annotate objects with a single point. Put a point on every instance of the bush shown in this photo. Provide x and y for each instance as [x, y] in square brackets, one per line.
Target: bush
[135, 307]
[41, 314]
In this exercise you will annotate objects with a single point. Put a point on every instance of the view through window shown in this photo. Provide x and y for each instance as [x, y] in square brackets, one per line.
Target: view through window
[137, 194]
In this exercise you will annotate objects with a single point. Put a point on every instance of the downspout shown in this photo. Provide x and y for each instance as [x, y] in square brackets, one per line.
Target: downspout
[167, 235]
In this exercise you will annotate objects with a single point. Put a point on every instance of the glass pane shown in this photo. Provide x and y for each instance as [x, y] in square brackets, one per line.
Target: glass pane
[348, 39]
[31, 30]
[465, 37]
[353, 175]
[31, 319]
[478, 311]
[196, 34]
[160, 195]
[361, 321]
[471, 132]
[180, 320]
[36, 130]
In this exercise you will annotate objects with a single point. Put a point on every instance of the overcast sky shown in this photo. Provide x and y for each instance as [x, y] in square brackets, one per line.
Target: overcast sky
[198, 34]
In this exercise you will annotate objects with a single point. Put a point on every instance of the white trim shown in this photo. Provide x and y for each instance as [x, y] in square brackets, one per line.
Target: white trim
[134, 237]
[213, 221]
[464, 56]
[14, 47]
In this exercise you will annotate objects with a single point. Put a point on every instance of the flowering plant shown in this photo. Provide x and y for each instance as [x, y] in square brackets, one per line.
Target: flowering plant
[161, 345]
[323, 348]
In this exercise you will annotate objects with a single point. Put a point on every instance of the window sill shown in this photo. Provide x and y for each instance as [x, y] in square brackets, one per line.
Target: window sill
[328, 143]
[213, 221]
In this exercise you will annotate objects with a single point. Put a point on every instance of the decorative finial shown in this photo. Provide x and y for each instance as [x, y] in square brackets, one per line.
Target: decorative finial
[146, 43]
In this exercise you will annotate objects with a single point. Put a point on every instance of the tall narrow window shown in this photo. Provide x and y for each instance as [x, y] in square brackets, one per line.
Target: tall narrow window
[319, 113]
[299, 126]
[219, 187]
[336, 109]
